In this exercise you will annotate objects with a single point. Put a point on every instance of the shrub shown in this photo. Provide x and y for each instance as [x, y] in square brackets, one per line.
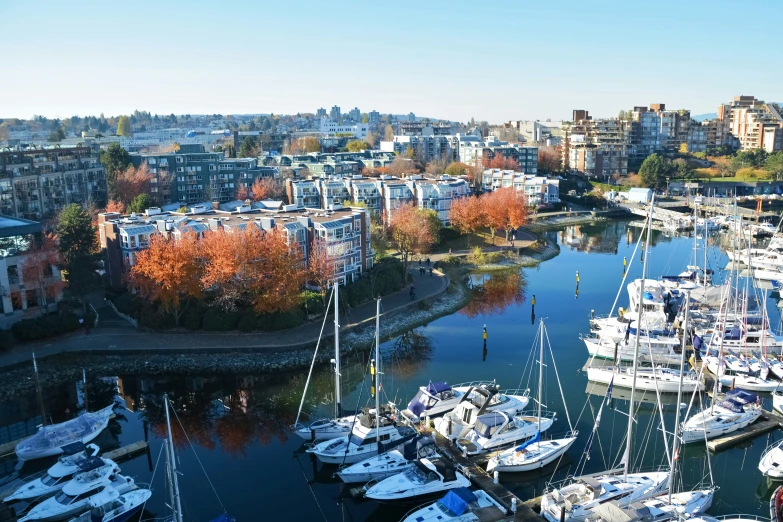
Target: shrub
[447, 234]
[476, 256]
[151, 317]
[247, 323]
[218, 320]
[280, 320]
[7, 340]
[46, 326]
[312, 302]
[191, 318]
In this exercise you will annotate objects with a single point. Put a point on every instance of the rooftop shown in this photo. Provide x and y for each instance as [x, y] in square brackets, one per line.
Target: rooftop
[11, 226]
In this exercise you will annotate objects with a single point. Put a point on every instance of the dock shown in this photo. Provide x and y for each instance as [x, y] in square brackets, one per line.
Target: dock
[126, 452]
[768, 421]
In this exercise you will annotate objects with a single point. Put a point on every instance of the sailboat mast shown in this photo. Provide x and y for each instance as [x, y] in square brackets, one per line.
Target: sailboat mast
[84, 388]
[540, 369]
[675, 443]
[337, 398]
[378, 373]
[39, 392]
[629, 435]
[170, 450]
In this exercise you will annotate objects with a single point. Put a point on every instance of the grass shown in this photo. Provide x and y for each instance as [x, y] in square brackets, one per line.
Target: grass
[481, 239]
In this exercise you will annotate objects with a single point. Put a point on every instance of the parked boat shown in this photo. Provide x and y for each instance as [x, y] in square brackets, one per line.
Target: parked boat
[681, 506]
[476, 402]
[435, 399]
[771, 463]
[497, 429]
[390, 462]
[425, 478]
[647, 379]
[460, 505]
[111, 506]
[737, 410]
[50, 440]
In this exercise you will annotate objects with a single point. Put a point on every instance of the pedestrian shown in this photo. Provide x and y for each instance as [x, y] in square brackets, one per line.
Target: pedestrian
[430, 271]
[428, 261]
[449, 251]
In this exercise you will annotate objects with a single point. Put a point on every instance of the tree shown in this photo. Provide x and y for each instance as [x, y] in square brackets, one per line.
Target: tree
[682, 169]
[305, 144]
[357, 146]
[437, 166]
[549, 159]
[505, 209]
[654, 170]
[242, 193]
[115, 206]
[140, 203]
[379, 239]
[774, 165]
[115, 160]
[5, 133]
[124, 127]
[79, 252]
[183, 209]
[37, 270]
[683, 148]
[266, 188]
[320, 266]
[456, 168]
[388, 133]
[401, 166]
[131, 183]
[248, 149]
[500, 161]
[58, 134]
[169, 272]
[749, 158]
[371, 139]
[468, 215]
[410, 232]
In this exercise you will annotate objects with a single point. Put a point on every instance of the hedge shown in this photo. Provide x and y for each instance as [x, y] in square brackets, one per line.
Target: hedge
[46, 326]
[218, 320]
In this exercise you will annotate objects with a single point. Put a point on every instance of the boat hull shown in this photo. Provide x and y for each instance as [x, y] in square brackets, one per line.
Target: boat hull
[625, 380]
[507, 463]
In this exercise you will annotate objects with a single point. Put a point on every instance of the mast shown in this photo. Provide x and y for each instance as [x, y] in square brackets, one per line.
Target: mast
[337, 399]
[170, 451]
[540, 370]
[629, 434]
[378, 373]
[39, 392]
[675, 444]
[84, 389]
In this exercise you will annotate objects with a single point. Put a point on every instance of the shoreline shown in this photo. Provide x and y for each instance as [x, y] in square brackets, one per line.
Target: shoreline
[64, 367]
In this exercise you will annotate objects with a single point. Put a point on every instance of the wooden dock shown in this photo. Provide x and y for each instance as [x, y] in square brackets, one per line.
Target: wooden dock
[126, 452]
[767, 422]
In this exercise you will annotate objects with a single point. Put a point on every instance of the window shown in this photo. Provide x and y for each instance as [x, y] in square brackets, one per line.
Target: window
[212, 167]
[180, 169]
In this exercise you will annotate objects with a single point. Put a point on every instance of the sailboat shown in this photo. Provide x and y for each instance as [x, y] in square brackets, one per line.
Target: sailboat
[339, 426]
[535, 453]
[460, 505]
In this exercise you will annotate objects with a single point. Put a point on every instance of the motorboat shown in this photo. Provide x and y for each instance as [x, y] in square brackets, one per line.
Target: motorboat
[647, 379]
[58, 475]
[460, 505]
[682, 506]
[498, 429]
[659, 349]
[531, 455]
[361, 443]
[325, 429]
[74, 497]
[390, 462]
[425, 478]
[50, 440]
[435, 399]
[738, 409]
[771, 463]
[578, 500]
[110, 506]
[476, 402]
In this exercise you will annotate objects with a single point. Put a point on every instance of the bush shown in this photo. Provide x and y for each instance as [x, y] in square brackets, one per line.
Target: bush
[447, 234]
[218, 320]
[7, 340]
[151, 317]
[312, 302]
[46, 326]
[280, 320]
[191, 318]
[476, 256]
[247, 323]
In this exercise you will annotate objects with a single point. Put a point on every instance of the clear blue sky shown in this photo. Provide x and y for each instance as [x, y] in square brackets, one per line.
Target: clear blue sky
[492, 61]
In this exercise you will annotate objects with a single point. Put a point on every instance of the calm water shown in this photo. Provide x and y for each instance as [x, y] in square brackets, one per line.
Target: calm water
[238, 424]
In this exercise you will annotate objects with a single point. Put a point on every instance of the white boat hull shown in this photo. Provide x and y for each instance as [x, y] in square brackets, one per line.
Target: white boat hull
[41, 445]
[535, 456]
[771, 463]
[625, 380]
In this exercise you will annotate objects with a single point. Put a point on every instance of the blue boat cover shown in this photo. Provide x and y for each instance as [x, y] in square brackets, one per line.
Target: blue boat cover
[437, 387]
[697, 343]
[91, 463]
[416, 407]
[730, 404]
[733, 335]
[224, 518]
[741, 396]
[535, 438]
[457, 500]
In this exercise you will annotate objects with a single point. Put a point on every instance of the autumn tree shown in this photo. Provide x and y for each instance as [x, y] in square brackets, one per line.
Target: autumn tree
[248, 149]
[77, 240]
[437, 166]
[252, 267]
[500, 161]
[401, 166]
[456, 169]
[131, 183]
[242, 192]
[169, 272]
[37, 270]
[115, 206]
[124, 127]
[388, 133]
[304, 145]
[115, 160]
[357, 146]
[410, 232]
[468, 215]
[320, 266]
[140, 204]
[549, 159]
[264, 189]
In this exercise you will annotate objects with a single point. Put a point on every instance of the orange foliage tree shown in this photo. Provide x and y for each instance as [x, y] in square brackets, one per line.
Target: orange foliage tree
[169, 272]
[410, 231]
[130, 183]
[550, 159]
[266, 188]
[242, 193]
[251, 267]
[115, 206]
[505, 209]
[320, 266]
[500, 161]
[468, 215]
[37, 270]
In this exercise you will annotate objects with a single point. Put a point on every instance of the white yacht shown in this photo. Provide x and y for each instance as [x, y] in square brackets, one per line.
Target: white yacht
[325, 429]
[425, 478]
[735, 372]
[647, 379]
[460, 505]
[738, 409]
[110, 506]
[771, 463]
[74, 498]
[777, 400]
[683, 505]
[435, 399]
[529, 457]
[498, 429]
[478, 401]
[50, 440]
[91, 468]
[390, 462]
[660, 348]
[580, 499]
[361, 443]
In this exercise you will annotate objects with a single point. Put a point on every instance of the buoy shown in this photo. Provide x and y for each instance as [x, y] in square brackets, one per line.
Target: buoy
[513, 504]
[534, 300]
[485, 332]
[625, 262]
[577, 276]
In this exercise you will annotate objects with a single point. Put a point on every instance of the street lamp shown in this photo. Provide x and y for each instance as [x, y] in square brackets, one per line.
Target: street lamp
[667, 186]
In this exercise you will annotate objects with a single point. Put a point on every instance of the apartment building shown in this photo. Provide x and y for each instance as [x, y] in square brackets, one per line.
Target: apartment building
[23, 299]
[438, 194]
[36, 184]
[191, 174]
[753, 123]
[538, 190]
[597, 148]
[656, 129]
[346, 232]
[357, 130]
[481, 151]
[425, 148]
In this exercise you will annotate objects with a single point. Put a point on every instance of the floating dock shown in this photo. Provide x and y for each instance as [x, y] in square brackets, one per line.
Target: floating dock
[126, 452]
[767, 422]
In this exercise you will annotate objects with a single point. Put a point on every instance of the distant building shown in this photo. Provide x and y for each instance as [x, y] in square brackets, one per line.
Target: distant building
[474, 151]
[374, 117]
[753, 123]
[320, 113]
[411, 116]
[596, 148]
[334, 113]
[355, 114]
[538, 190]
[331, 127]
[656, 129]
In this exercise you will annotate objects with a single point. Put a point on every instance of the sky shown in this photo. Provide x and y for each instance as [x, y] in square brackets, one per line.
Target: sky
[493, 61]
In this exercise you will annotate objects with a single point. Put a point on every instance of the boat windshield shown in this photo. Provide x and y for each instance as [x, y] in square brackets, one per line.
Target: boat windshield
[356, 440]
[48, 480]
[64, 498]
[417, 476]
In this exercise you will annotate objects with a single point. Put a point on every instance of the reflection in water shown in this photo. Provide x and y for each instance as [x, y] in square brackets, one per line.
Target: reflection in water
[494, 294]
[411, 351]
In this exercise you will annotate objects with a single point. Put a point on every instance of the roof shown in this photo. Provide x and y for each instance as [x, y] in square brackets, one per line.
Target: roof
[639, 190]
[12, 226]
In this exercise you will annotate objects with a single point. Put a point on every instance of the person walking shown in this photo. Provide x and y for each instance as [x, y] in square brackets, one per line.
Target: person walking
[430, 271]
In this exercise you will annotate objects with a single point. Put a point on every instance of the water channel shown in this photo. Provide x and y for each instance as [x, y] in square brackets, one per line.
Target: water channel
[238, 424]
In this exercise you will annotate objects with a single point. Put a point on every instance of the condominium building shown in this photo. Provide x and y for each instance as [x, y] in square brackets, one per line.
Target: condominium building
[191, 174]
[425, 148]
[438, 194]
[36, 184]
[596, 148]
[346, 232]
[656, 129]
[331, 126]
[753, 123]
[538, 190]
[22, 299]
[334, 113]
[480, 152]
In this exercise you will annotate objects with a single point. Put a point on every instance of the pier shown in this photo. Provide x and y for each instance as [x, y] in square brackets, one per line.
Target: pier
[768, 421]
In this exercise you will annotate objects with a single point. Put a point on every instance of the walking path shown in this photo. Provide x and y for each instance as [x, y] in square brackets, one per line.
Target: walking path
[114, 334]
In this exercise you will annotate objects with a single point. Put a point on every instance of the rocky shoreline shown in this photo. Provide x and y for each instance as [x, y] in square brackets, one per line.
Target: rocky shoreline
[68, 367]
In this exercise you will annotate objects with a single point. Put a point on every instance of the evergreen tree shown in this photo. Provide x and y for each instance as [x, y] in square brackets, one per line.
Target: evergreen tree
[79, 253]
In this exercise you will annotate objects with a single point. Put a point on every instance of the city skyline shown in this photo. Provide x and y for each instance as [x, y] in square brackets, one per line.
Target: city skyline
[452, 63]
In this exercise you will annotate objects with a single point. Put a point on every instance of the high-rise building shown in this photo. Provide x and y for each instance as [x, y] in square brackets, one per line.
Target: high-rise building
[659, 130]
[374, 117]
[596, 148]
[753, 123]
[335, 114]
[320, 113]
[355, 114]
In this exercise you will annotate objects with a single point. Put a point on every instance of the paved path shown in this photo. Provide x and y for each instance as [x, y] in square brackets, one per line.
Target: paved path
[115, 334]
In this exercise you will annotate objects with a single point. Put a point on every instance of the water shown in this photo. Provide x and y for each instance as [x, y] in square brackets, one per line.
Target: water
[239, 424]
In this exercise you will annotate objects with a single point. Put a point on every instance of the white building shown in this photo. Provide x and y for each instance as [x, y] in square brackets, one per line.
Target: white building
[538, 190]
[438, 194]
[358, 130]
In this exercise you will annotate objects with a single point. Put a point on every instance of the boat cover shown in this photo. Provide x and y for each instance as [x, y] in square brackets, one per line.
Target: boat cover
[412, 449]
[741, 396]
[437, 387]
[415, 406]
[732, 405]
[90, 464]
[535, 438]
[446, 469]
[733, 335]
[224, 518]
[73, 448]
[457, 500]
[485, 423]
